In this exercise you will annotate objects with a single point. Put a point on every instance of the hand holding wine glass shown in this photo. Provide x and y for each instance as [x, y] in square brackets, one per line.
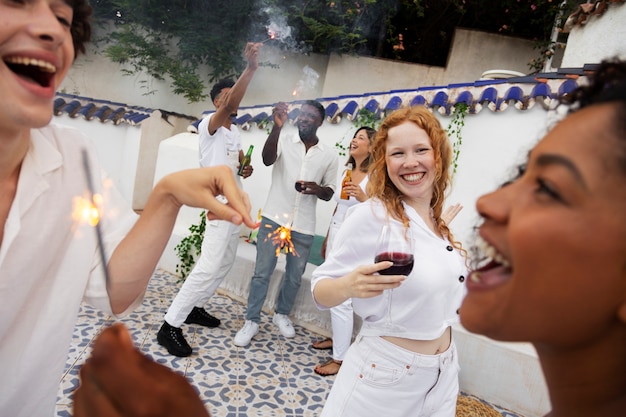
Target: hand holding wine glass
[395, 244]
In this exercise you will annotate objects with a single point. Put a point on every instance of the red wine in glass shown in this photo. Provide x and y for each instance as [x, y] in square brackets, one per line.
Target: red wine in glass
[394, 244]
[402, 263]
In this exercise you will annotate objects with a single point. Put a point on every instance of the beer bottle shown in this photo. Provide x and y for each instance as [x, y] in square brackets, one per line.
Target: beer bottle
[246, 160]
[346, 179]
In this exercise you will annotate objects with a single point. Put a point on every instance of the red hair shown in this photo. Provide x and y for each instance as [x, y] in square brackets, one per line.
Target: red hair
[379, 184]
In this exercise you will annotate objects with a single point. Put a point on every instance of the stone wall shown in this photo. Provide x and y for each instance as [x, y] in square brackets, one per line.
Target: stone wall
[472, 53]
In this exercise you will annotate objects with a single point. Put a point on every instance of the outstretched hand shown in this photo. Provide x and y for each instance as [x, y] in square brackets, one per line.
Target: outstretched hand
[119, 381]
[280, 114]
[450, 213]
[199, 187]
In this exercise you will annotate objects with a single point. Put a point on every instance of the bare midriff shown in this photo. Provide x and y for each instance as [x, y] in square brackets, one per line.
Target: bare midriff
[424, 347]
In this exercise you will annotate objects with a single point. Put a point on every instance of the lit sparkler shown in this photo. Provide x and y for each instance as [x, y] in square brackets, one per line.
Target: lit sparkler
[87, 210]
[281, 238]
[272, 35]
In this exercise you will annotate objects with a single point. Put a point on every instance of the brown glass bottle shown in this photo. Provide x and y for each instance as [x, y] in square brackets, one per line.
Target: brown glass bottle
[346, 179]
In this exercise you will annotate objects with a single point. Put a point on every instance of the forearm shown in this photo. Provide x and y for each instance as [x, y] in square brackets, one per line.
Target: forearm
[330, 292]
[134, 260]
[270, 149]
[235, 95]
[325, 193]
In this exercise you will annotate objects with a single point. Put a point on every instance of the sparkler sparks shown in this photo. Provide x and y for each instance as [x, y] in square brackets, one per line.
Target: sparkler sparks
[87, 209]
[281, 238]
[272, 35]
[307, 82]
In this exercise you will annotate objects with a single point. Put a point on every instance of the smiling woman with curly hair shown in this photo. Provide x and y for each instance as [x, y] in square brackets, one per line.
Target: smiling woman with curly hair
[404, 360]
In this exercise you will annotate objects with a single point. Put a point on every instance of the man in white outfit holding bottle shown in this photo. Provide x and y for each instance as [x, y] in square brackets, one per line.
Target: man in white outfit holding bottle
[219, 144]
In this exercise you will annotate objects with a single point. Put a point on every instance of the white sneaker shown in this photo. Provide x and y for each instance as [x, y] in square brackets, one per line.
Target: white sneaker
[247, 332]
[284, 325]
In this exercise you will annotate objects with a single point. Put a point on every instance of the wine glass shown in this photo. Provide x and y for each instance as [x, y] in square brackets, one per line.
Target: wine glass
[395, 244]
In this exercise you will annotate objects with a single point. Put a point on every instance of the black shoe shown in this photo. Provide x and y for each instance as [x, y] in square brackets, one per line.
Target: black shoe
[200, 316]
[172, 339]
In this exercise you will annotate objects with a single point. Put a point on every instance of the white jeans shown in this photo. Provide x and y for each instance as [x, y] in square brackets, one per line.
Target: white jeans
[219, 248]
[341, 316]
[342, 321]
[378, 378]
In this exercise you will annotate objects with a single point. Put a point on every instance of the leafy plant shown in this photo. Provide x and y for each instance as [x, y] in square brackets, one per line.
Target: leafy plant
[454, 131]
[190, 247]
[168, 40]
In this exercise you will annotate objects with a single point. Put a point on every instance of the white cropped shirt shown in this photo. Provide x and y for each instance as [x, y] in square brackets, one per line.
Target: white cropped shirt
[428, 300]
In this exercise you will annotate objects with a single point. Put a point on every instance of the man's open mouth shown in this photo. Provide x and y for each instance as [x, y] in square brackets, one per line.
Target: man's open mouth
[37, 70]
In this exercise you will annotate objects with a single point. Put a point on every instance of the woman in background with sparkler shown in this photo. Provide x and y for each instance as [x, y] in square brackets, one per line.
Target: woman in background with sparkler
[342, 316]
[404, 360]
[48, 263]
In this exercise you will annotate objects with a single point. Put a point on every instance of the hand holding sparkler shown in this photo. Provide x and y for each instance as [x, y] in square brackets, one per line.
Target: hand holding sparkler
[199, 187]
[272, 35]
[280, 114]
[252, 54]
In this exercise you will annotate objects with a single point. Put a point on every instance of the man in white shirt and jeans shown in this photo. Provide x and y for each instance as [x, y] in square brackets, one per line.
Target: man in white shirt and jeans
[303, 171]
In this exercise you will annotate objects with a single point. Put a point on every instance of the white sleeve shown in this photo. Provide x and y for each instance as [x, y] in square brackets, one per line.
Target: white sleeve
[353, 246]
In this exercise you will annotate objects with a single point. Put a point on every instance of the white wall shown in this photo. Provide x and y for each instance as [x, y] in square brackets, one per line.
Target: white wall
[601, 37]
[472, 52]
[117, 148]
[492, 145]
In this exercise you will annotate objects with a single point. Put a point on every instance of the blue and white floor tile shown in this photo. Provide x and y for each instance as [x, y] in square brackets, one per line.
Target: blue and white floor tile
[273, 376]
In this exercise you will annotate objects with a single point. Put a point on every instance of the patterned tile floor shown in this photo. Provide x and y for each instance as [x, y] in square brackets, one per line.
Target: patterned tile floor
[271, 377]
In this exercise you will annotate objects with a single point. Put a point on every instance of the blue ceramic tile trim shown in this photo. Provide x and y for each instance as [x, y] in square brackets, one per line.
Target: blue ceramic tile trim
[496, 95]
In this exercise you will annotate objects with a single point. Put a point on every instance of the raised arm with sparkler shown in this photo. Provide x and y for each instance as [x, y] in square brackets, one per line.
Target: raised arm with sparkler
[308, 122]
[219, 143]
[270, 149]
[228, 98]
[227, 102]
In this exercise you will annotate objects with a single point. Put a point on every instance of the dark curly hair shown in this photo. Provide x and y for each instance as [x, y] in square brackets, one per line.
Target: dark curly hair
[606, 85]
[81, 25]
